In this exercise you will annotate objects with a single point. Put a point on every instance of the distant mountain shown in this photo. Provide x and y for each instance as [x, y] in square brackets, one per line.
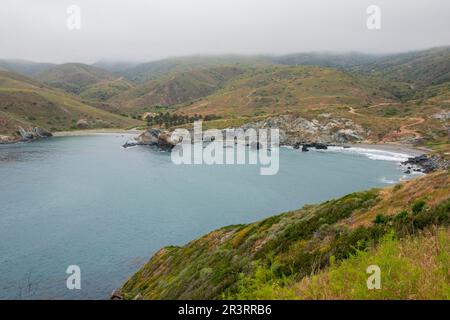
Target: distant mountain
[115, 66]
[156, 69]
[26, 102]
[24, 67]
[322, 59]
[418, 68]
[175, 89]
[406, 74]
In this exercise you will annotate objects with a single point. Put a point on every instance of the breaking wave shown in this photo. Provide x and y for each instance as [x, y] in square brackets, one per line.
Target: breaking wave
[374, 154]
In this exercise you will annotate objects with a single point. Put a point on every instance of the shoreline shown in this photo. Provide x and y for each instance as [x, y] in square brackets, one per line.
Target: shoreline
[388, 147]
[93, 132]
[403, 149]
[391, 147]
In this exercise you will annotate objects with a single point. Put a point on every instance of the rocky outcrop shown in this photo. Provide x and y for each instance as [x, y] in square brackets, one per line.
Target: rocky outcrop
[442, 115]
[8, 139]
[116, 295]
[40, 133]
[324, 130]
[294, 130]
[154, 137]
[427, 164]
[82, 124]
[34, 133]
[23, 135]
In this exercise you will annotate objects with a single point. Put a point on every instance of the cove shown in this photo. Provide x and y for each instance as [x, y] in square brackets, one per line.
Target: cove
[88, 202]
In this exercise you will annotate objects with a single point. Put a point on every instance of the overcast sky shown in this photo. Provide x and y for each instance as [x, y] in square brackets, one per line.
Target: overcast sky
[143, 30]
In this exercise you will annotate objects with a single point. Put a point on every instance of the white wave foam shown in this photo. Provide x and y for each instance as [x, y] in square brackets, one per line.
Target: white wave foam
[388, 181]
[373, 154]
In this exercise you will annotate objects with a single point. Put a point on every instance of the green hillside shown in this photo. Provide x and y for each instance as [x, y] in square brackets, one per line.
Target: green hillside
[115, 66]
[417, 68]
[393, 97]
[105, 90]
[275, 258]
[175, 89]
[280, 89]
[87, 81]
[170, 66]
[344, 61]
[420, 69]
[26, 102]
[24, 67]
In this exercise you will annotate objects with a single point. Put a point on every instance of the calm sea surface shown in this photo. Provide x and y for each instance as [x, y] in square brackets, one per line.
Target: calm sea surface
[86, 201]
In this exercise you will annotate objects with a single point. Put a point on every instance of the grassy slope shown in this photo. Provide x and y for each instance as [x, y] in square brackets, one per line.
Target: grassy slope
[415, 267]
[420, 69]
[255, 260]
[344, 61]
[26, 102]
[394, 97]
[172, 90]
[280, 89]
[24, 67]
[168, 67]
[87, 81]
[105, 90]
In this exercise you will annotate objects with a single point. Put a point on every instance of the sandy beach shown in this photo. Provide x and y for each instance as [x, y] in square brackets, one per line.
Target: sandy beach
[392, 147]
[91, 132]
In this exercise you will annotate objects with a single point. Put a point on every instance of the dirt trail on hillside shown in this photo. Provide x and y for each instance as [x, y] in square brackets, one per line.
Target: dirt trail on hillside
[383, 104]
[405, 130]
[353, 111]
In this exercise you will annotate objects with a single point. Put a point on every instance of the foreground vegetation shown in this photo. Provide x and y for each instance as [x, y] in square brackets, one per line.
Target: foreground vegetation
[412, 267]
[296, 254]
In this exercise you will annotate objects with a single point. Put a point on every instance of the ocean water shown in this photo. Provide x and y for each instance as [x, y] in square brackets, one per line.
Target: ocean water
[86, 201]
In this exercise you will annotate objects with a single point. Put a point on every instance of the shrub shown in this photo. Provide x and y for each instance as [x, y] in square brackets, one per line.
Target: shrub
[418, 206]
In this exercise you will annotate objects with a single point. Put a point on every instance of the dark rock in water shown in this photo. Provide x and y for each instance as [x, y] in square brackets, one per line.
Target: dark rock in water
[319, 146]
[407, 172]
[130, 143]
[428, 163]
[307, 146]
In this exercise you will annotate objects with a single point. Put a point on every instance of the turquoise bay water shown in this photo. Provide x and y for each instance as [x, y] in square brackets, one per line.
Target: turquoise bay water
[86, 201]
